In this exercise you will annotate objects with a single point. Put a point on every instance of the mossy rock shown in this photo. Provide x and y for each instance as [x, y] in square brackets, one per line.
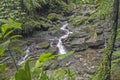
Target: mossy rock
[74, 35]
[53, 17]
[44, 45]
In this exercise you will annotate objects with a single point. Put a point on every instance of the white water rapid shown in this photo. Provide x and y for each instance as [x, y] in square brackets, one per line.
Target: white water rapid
[61, 47]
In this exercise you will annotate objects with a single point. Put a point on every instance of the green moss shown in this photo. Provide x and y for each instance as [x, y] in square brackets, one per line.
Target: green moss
[44, 44]
[75, 35]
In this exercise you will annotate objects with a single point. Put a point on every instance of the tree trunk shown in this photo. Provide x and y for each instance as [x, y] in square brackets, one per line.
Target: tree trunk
[112, 40]
[104, 71]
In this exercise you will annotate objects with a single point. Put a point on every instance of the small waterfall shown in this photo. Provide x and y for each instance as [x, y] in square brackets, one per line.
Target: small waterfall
[60, 45]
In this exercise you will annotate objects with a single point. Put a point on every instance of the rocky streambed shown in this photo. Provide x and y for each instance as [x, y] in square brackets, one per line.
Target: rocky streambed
[88, 39]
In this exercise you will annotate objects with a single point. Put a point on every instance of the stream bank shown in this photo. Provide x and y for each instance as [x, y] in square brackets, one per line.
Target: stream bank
[88, 40]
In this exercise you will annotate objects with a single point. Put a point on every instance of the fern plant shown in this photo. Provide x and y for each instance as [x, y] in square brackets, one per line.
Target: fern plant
[7, 28]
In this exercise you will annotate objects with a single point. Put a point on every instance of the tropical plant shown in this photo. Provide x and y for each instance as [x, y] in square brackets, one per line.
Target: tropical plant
[7, 28]
[23, 73]
[38, 73]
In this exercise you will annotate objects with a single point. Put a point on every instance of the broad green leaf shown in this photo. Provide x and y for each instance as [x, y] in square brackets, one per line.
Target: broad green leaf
[46, 57]
[15, 36]
[14, 23]
[27, 70]
[1, 52]
[43, 57]
[1, 35]
[20, 75]
[23, 73]
[2, 67]
[5, 27]
[4, 46]
[8, 33]
[9, 25]
[37, 64]
[65, 55]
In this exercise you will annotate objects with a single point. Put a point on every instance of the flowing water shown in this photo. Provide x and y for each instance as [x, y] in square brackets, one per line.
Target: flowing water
[61, 47]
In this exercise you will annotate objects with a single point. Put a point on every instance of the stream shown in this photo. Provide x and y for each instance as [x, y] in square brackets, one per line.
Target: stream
[60, 46]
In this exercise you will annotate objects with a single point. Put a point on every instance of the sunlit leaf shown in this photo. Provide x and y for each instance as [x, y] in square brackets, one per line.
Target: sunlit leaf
[14, 23]
[4, 46]
[43, 57]
[1, 35]
[27, 70]
[15, 36]
[20, 75]
[4, 28]
[46, 57]
[2, 67]
[8, 33]
[1, 52]
[23, 73]
[65, 55]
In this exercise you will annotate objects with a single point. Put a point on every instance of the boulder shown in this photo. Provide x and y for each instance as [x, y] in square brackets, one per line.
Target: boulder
[44, 45]
[96, 44]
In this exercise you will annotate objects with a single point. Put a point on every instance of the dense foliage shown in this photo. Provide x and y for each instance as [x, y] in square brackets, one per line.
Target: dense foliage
[23, 17]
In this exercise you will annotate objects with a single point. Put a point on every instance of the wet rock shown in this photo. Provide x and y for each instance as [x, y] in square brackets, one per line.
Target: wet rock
[79, 47]
[53, 50]
[77, 41]
[96, 44]
[79, 35]
[99, 31]
[56, 32]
